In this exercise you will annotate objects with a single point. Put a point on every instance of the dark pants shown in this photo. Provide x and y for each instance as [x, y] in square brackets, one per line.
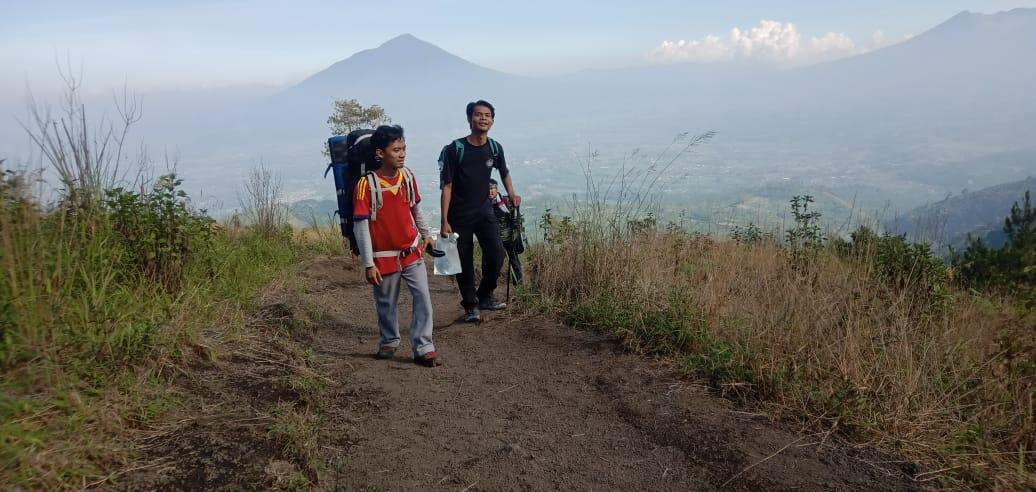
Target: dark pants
[487, 231]
[510, 248]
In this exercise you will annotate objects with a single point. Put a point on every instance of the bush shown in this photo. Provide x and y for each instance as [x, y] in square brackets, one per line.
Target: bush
[752, 234]
[898, 262]
[159, 231]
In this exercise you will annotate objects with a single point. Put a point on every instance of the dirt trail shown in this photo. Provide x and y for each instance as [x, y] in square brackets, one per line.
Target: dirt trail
[521, 403]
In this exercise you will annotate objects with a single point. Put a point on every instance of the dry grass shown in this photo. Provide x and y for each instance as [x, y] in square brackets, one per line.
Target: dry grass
[949, 384]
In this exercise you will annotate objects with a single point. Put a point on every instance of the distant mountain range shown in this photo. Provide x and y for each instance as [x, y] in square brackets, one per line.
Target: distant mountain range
[978, 213]
[973, 64]
[948, 109]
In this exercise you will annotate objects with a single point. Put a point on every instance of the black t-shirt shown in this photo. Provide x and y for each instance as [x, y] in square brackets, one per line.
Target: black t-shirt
[470, 178]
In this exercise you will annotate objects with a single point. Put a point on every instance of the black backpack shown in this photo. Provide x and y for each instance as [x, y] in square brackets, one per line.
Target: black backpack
[352, 157]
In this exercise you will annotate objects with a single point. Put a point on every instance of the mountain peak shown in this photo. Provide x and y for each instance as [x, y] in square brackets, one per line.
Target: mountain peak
[410, 49]
[415, 57]
[969, 17]
[404, 40]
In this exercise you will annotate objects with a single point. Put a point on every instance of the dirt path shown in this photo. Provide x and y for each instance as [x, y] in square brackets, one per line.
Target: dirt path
[520, 404]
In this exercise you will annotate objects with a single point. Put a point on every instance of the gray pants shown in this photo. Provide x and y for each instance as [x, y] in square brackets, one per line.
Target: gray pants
[386, 299]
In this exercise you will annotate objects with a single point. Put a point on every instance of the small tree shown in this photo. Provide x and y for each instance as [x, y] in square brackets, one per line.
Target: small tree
[806, 238]
[1010, 268]
[349, 115]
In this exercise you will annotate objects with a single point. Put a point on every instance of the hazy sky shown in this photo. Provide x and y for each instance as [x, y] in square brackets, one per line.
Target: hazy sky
[189, 44]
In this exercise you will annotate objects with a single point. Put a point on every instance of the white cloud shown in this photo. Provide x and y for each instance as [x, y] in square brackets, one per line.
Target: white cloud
[710, 49]
[832, 45]
[769, 41]
[878, 38]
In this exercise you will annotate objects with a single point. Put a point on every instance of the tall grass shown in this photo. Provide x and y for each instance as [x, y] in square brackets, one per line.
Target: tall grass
[105, 293]
[944, 376]
[87, 338]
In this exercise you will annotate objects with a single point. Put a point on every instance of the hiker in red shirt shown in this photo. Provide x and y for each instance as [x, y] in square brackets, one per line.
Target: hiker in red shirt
[391, 235]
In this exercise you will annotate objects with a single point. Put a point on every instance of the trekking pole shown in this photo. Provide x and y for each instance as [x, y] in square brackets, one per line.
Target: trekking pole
[507, 296]
[513, 214]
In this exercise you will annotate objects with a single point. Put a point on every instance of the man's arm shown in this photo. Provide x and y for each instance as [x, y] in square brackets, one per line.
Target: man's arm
[505, 178]
[362, 232]
[515, 199]
[444, 206]
[446, 169]
[422, 226]
[363, 242]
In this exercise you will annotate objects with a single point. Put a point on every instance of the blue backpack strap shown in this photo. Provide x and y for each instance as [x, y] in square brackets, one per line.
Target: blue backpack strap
[494, 147]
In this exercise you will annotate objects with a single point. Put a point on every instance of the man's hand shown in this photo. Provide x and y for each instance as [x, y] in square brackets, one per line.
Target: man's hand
[514, 201]
[373, 275]
[429, 242]
[445, 230]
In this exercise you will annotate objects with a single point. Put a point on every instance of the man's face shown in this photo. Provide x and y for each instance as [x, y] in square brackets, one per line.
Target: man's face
[394, 155]
[481, 119]
[493, 191]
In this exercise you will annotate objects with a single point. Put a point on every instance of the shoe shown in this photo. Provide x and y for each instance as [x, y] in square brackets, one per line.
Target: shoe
[492, 304]
[427, 360]
[385, 352]
[472, 316]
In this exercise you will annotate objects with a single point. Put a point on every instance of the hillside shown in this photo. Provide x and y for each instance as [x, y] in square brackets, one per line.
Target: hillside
[948, 222]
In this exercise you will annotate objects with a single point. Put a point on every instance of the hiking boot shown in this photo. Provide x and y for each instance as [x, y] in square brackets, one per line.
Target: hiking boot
[471, 315]
[385, 352]
[427, 360]
[492, 304]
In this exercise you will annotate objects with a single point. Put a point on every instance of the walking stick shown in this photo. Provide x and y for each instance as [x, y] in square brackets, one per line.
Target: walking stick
[507, 296]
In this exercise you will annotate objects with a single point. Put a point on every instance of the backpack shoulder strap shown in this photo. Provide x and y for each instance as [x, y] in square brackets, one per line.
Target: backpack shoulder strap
[375, 190]
[408, 183]
[458, 148]
[494, 147]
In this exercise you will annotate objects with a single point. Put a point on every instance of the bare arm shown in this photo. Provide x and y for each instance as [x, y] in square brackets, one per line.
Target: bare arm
[444, 204]
[509, 186]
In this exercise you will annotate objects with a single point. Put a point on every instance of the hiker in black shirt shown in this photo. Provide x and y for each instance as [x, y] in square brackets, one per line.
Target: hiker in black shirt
[465, 167]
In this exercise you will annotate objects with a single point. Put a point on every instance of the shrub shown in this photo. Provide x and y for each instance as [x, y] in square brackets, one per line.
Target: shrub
[805, 239]
[898, 262]
[159, 231]
[752, 234]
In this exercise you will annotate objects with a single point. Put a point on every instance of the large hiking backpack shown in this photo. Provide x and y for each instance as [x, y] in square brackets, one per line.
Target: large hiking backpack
[352, 157]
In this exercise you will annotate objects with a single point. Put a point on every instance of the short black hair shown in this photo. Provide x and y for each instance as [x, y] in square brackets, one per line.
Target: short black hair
[492, 182]
[481, 102]
[386, 134]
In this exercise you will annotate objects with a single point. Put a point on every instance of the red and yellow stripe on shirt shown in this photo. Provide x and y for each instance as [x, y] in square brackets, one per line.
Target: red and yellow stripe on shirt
[394, 228]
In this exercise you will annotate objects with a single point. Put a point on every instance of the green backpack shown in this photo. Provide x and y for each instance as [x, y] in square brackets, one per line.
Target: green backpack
[458, 153]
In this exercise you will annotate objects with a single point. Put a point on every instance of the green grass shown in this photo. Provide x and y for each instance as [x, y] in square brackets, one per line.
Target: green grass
[93, 325]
